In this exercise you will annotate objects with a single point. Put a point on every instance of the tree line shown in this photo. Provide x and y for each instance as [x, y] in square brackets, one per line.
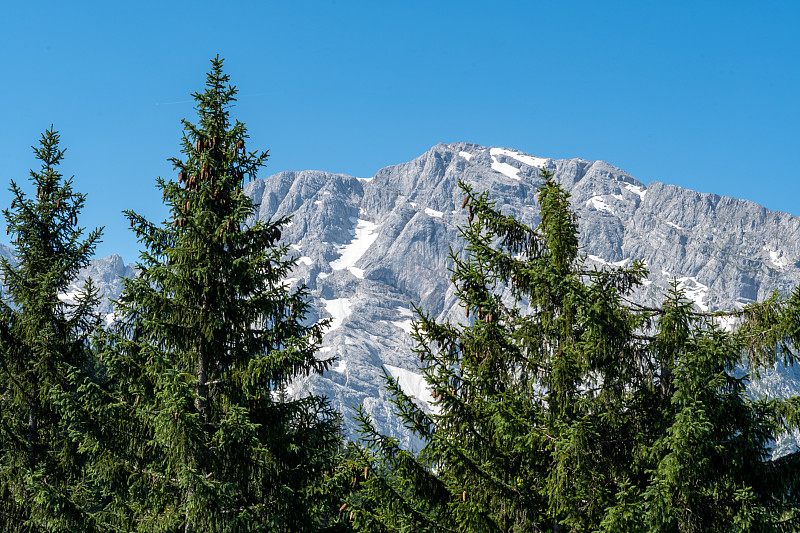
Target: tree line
[560, 403]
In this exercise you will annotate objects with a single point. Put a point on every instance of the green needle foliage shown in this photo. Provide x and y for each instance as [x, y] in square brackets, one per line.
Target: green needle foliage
[44, 356]
[562, 406]
[208, 338]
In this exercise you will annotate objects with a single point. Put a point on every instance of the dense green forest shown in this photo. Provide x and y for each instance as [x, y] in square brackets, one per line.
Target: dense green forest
[561, 404]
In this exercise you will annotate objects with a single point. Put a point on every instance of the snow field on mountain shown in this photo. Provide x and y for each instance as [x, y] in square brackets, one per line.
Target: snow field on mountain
[777, 258]
[529, 160]
[636, 189]
[339, 309]
[505, 168]
[692, 289]
[599, 204]
[412, 383]
[405, 325]
[69, 296]
[696, 292]
[365, 234]
[621, 264]
[673, 225]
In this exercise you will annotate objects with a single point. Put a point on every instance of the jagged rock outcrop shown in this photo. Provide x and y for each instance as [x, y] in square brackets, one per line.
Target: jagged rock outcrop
[370, 249]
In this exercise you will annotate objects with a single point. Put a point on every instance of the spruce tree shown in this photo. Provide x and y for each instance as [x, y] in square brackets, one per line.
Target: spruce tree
[44, 355]
[209, 336]
[563, 406]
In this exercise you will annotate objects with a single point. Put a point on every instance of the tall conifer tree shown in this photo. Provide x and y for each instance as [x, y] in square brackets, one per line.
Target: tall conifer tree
[44, 356]
[578, 411]
[208, 337]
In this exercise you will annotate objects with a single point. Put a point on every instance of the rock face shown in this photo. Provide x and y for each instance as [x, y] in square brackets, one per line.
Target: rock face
[370, 250]
[106, 274]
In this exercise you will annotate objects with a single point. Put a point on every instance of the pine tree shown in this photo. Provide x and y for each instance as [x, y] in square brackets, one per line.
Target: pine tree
[209, 336]
[44, 356]
[563, 406]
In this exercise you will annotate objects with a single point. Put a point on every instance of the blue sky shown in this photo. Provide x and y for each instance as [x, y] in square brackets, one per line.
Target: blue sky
[699, 94]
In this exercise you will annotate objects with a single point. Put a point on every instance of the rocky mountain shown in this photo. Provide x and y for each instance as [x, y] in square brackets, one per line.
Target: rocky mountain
[370, 249]
[106, 274]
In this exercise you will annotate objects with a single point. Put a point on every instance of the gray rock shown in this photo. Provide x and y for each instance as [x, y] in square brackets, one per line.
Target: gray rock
[370, 249]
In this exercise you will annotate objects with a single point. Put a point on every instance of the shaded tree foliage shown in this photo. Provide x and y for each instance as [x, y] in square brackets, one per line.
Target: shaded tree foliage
[209, 336]
[44, 355]
[561, 405]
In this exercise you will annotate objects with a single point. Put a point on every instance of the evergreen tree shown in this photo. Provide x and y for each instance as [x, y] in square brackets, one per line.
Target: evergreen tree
[208, 338]
[562, 406]
[44, 356]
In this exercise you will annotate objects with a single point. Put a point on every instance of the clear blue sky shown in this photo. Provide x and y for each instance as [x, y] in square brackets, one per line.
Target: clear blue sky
[699, 94]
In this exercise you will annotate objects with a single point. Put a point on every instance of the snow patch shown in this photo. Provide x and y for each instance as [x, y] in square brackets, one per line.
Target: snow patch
[296, 247]
[405, 325]
[777, 258]
[341, 366]
[110, 319]
[529, 160]
[70, 296]
[433, 213]
[366, 180]
[412, 383]
[305, 260]
[339, 309]
[668, 223]
[637, 190]
[465, 155]
[618, 196]
[288, 282]
[505, 169]
[322, 275]
[621, 264]
[350, 253]
[405, 311]
[598, 204]
[695, 291]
